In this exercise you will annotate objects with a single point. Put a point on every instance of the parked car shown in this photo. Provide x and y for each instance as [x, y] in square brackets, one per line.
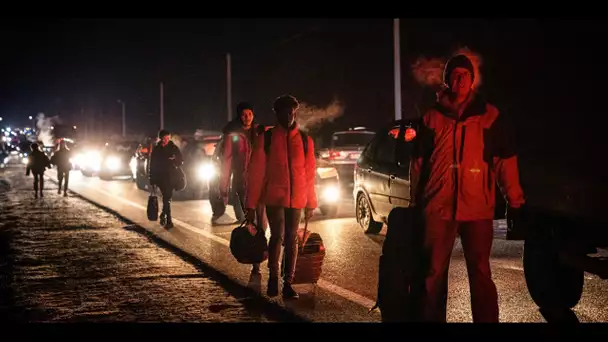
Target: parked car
[381, 175]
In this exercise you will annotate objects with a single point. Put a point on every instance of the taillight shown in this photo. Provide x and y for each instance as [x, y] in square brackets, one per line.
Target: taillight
[337, 155]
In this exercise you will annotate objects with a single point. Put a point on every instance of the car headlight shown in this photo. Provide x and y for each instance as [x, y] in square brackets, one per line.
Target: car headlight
[113, 163]
[24, 160]
[205, 171]
[92, 160]
[331, 193]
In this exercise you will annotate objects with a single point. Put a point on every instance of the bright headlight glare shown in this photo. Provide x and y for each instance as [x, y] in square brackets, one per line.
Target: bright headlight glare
[113, 163]
[205, 171]
[331, 193]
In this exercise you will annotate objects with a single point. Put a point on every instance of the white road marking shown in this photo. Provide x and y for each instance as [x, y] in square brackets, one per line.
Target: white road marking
[340, 291]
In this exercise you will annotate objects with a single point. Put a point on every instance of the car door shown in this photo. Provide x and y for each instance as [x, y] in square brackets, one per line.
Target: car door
[379, 175]
[400, 175]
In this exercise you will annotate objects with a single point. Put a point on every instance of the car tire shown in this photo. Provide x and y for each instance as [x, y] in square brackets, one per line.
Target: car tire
[86, 173]
[105, 176]
[365, 217]
[140, 181]
[329, 209]
[552, 285]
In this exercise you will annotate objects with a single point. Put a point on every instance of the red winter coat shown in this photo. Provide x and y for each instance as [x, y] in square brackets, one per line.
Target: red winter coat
[460, 154]
[285, 177]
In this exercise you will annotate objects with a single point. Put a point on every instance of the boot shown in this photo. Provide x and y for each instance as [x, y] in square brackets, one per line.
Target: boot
[169, 223]
[163, 219]
[289, 292]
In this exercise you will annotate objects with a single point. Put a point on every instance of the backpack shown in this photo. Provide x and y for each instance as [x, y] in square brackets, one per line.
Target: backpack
[268, 138]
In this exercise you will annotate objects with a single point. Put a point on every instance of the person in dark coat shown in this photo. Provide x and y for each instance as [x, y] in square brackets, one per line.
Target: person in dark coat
[37, 163]
[165, 157]
[61, 159]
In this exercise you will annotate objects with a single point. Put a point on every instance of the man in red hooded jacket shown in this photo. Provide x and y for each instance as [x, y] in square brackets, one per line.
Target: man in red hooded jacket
[463, 148]
[283, 180]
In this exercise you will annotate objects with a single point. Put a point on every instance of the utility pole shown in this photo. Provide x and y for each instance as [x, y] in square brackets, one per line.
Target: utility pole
[229, 86]
[162, 106]
[397, 57]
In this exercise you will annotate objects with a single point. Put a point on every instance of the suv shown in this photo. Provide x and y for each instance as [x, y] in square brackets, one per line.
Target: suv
[381, 175]
[344, 150]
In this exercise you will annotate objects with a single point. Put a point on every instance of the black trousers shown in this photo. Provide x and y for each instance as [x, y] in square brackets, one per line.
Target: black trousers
[61, 176]
[167, 192]
[284, 224]
[38, 178]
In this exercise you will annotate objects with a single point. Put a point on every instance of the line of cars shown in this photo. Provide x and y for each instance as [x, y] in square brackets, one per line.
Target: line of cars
[201, 164]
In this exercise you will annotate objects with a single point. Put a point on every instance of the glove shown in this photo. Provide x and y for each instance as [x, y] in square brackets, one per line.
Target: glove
[308, 213]
[250, 215]
[516, 229]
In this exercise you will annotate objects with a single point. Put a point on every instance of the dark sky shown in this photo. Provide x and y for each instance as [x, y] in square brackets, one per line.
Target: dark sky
[548, 75]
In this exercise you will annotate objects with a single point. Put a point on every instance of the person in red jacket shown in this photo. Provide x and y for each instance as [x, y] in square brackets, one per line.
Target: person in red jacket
[240, 135]
[283, 180]
[463, 147]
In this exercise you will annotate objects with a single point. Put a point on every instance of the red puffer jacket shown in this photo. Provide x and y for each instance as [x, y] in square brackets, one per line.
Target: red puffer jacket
[285, 177]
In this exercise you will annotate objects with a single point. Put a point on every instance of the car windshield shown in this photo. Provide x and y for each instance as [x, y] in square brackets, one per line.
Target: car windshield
[351, 139]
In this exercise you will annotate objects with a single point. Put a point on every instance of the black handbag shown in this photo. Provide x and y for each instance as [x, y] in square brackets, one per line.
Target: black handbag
[247, 248]
[152, 209]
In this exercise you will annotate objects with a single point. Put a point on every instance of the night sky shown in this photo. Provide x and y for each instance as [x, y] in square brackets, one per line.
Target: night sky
[549, 76]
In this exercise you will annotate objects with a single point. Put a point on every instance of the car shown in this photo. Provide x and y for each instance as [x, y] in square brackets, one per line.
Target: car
[198, 165]
[381, 175]
[115, 159]
[344, 150]
[111, 160]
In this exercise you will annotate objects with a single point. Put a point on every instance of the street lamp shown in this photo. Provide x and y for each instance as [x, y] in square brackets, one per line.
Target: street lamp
[124, 124]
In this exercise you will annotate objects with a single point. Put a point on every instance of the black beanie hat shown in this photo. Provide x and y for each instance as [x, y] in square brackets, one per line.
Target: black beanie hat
[241, 106]
[459, 61]
[162, 133]
[285, 102]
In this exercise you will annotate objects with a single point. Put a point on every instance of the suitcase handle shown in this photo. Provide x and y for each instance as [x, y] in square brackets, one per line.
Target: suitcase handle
[305, 235]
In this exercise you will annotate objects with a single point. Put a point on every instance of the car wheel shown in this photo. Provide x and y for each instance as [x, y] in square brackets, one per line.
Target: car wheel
[86, 173]
[365, 218]
[105, 176]
[140, 181]
[329, 209]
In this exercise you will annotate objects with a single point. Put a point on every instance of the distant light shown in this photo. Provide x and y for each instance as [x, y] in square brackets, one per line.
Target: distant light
[0, 118]
[74, 127]
[30, 117]
[52, 127]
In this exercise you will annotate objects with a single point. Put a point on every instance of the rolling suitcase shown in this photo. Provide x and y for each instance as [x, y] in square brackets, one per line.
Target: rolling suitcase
[152, 209]
[311, 253]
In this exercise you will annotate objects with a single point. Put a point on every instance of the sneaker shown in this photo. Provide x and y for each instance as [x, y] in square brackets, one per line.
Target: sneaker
[163, 219]
[289, 292]
[65, 194]
[59, 192]
[169, 224]
[223, 220]
[41, 194]
[273, 287]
